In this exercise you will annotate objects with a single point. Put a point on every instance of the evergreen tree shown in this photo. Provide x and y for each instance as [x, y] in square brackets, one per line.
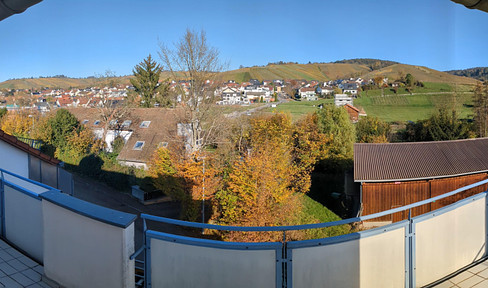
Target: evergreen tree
[3, 112]
[445, 125]
[146, 83]
[62, 124]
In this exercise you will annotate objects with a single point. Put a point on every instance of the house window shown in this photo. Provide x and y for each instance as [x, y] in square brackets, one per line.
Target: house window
[84, 122]
[96, 122]
[163, 144]
[145, 124]
[138, 145]
[126, 123]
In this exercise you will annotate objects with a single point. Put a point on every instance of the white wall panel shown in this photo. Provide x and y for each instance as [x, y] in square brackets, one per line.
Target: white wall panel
[450, 241]
[182, 265]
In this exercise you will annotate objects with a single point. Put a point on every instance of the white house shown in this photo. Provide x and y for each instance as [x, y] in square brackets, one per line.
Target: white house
[326, 90]
[231, 96]
[342, 99]
[307, 93]
[350, 91]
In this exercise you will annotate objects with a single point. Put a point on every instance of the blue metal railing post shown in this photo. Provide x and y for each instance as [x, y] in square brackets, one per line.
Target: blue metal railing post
[2, 204]
[147, 258]
[410, 252]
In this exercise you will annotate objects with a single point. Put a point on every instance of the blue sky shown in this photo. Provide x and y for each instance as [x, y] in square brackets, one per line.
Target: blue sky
[84, 38]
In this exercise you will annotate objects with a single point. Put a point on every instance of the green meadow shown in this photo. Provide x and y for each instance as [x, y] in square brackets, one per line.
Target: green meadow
[397, 107]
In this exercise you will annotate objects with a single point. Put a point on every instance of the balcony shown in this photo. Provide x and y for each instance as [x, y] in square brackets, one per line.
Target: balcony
[78, 244]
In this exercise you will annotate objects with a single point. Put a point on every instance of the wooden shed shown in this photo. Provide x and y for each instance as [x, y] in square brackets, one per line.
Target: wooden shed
[397, 174]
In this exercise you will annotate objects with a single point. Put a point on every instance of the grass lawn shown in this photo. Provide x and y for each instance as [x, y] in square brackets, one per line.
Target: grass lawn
[394, 108]
[429, 87]
[314, 212]
[299, 108]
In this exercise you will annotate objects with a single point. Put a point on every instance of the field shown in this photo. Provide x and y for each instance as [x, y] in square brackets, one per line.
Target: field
[429, 87]
[395, 108]
[299, 108]
[399, 107]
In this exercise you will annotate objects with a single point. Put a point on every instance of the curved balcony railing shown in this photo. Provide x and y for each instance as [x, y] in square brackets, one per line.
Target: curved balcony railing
[410, 253]
[419, 251]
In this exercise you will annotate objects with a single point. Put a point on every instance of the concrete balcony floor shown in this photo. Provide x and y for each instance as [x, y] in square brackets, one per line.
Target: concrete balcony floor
[476, 277]
[17, 270]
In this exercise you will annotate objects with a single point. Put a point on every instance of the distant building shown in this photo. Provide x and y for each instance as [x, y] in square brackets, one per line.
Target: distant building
[354, 113]
[231, 96]
[307, 93]
[342, 99]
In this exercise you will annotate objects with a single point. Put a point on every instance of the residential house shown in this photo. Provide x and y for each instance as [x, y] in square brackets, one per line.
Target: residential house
[326, 90]
[342, 99]
[350, 88]
[231, 96]
[42, 107]
[307, 93]
[142, 129]
[255, 82]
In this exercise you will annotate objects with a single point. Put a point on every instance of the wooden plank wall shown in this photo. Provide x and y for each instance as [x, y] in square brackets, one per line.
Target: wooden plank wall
[377, 197]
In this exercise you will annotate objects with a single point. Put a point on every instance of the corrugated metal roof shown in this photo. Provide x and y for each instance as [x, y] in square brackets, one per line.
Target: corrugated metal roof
[419, 160]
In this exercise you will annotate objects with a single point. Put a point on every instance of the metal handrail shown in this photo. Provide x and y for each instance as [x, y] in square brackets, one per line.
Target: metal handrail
[28, 180]
[308, 226]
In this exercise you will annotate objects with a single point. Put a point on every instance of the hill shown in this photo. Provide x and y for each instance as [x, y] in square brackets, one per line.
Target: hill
[321, 72]
[373, 64]
[53, 82]
[316, 71]
[420, 73]
[478, 73]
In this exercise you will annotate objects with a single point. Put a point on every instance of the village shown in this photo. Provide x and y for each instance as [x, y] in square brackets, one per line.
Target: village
[228, 93]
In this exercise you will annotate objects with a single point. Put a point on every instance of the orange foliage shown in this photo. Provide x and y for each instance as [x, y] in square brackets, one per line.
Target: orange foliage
[259, 188]
[17, 124]
[309, 146]
[200, 176]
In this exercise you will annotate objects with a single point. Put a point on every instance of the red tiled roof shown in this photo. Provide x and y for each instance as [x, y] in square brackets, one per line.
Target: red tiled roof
[351, 107]
[12, 140]
[419, 160]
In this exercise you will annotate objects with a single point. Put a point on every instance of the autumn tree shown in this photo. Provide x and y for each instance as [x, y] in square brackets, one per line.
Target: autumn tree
[190, 180]
[335, 124]
[480, 103]
[195, 65]
[17, 123]
[378, 80]
[164, 174]
[78, 144]
[147, 85]
[372, 130]
[259, 190]
[309, 146]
